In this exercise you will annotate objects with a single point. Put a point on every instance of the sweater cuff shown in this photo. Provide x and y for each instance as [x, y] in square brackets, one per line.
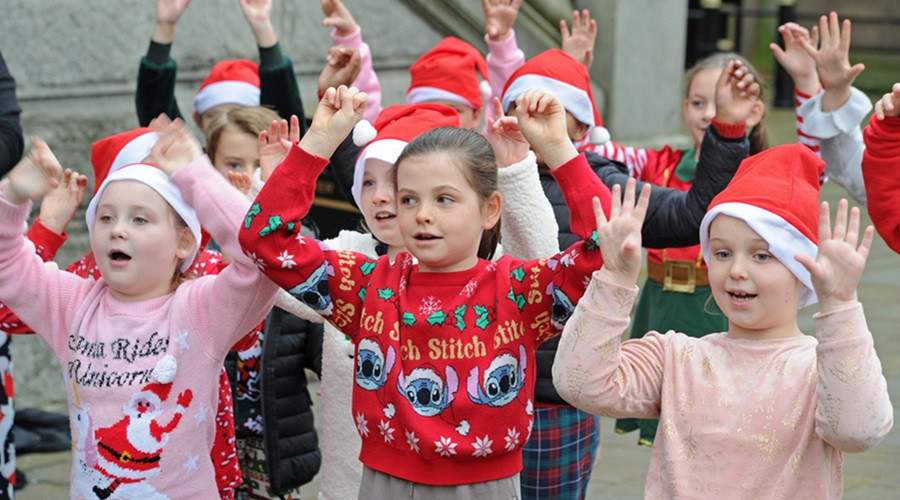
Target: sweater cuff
[825, 125]
[43, 237]
[523, 168]
[573, 171]
[730, 130]
[503, 50]
[351, 41]
[846, 322]
[270, 57]
[158, 53]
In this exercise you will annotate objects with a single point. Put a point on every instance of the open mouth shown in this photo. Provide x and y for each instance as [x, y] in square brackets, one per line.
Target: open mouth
[426, 237]
[383, 216]
[741, 297]
[119, 256]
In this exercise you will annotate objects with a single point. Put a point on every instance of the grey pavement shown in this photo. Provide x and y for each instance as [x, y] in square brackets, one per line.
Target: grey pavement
[620, 472]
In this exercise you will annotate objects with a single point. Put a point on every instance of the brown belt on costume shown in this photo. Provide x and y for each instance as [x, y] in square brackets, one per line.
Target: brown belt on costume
[678, 275]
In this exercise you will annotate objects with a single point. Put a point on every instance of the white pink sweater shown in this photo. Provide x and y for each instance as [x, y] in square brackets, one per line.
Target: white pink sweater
[134, 437]
[738, 418]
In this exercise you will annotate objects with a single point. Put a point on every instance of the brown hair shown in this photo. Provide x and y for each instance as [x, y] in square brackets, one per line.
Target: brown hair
[475, 157]
[247, 119]
[759, 135]
[181, 231]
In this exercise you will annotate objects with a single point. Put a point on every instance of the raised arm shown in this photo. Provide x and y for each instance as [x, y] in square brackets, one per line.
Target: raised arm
[880, 167]
[347, 33]
[155, 92]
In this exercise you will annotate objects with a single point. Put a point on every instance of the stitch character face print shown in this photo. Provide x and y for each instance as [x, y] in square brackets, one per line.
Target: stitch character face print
[503, 379]
[314, 291]
[372, 366]
[428, 394]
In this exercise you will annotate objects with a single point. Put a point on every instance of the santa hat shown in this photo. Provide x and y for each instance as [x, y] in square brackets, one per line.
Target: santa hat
[776, 193]
[159, 182]
[392, 131]
[157, 389]
[114, 152]
[233, 81]
[450, 72]
[556, 72]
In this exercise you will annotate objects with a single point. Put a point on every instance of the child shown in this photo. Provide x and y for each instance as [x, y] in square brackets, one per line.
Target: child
[760, 410]
[562, 435]
[231, 139]
[527, 231]
[420, 328]
[879, 166]
[230, 83]
[177, 332]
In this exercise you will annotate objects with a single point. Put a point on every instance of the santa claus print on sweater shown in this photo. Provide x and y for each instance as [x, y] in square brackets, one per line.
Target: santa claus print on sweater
[117, 460]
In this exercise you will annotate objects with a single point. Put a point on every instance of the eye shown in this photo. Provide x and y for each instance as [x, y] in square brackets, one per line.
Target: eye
[444, 200]
[407, 200]
[411, 395]
[106, 219]
[368, 183]
[722, 254]
[376, 372]
[697, 103]
[512, 378]
[762, 257]
[435, 395]
[140, 220]
[234, 166]
[493, 388]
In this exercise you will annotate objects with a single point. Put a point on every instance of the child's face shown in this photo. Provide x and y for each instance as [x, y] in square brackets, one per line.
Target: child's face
[379, 203]
[135, 241]
[757, 293]
[441, 216]
[700, 104]
[236, 152]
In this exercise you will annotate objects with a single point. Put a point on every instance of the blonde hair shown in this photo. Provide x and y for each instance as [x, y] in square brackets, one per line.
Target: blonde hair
[247, 119]
[474, 156]
[759, 135]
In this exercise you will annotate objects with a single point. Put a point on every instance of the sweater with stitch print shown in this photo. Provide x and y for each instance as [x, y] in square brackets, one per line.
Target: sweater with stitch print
[444, 362]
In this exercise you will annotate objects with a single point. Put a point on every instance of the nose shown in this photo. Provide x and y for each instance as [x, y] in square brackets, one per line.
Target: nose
[738, 269]
[117, 231]
[383, 194]
[423, 214]
[709, 113]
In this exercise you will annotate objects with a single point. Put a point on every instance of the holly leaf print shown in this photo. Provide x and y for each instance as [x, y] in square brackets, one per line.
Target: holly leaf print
[593, 243]
[385, 293]
[251, 214]
[366, 267]
[274, 223]
[459, 314]
[408, 318]
[517, 274]
[519, 299]
[482, 321]
[362, 294]
[436, 318]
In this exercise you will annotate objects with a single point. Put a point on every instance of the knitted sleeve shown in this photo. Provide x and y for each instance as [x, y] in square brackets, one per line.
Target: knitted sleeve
[598, 373]
[528, 227]
[278, 84]
[11, 145]
[880, 165]
[155, 92]
[367, 80]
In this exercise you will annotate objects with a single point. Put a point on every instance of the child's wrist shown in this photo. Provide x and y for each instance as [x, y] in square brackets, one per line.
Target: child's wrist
[318, 143]
[831, 304]
[163, 32]
[618, 277]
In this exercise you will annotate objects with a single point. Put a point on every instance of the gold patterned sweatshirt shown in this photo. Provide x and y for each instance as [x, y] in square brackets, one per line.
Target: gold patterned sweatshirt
[738, 418]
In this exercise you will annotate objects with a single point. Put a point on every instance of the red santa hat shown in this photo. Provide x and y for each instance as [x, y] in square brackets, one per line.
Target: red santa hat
[157, 389]
[556, 72]
[159, 182]
[392, 131]
[233, 81]
[450, 72]
[776, 193]
[114, 152]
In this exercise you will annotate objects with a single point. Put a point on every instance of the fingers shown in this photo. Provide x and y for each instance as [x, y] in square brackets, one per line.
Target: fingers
[294, 134]
[564, 29]
[824, 222]
[866, 245]
[497, 107]
[840, 221]
[640, 210]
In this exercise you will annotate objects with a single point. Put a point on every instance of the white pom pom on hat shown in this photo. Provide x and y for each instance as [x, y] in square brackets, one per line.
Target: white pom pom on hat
[165, 369]
[363, 133]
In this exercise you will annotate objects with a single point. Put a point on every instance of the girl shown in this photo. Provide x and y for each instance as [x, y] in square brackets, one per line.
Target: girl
[231, 139]
[425, 330]
[760, 410]
[142, 332]
[528, 231]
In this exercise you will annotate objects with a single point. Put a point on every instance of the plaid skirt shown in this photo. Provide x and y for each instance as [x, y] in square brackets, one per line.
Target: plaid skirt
[560, 454]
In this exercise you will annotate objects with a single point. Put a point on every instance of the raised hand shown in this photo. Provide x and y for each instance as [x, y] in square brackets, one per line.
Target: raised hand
[240, 180]
[176, 145]
[579, 43]
[506, 139]
[737, 92]
[836, 270]
[542, 120]
[34, 176]
[337, 16]
[795, 59]
[499, 17]
[342, 66]
[275, 144]
[168, 13]
[338, 111]
[258, 14]
[60, 204]
[889, 104]
[832, 59]
[620, 236]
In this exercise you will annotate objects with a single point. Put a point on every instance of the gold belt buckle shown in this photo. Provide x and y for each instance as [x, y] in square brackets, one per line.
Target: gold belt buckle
[681, 276]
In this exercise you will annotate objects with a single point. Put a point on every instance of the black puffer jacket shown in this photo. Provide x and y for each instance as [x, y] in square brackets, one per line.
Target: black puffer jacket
[673, 218]
[290, 346]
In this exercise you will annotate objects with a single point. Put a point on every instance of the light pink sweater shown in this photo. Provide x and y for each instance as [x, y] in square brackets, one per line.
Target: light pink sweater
[738, 418]
[109, 348]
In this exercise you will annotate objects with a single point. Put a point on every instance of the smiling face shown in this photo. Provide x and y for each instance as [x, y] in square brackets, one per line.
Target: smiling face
[757, 293]
[700, 103]
[137, 242]
[441, 216]
[236, 151]
[379, 203]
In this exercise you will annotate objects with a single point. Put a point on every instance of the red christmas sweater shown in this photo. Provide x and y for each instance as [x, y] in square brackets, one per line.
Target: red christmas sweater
[444, 361]
[880, 167]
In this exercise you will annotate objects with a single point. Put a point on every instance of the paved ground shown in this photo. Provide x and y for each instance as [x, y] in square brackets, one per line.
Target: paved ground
[622, 466]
